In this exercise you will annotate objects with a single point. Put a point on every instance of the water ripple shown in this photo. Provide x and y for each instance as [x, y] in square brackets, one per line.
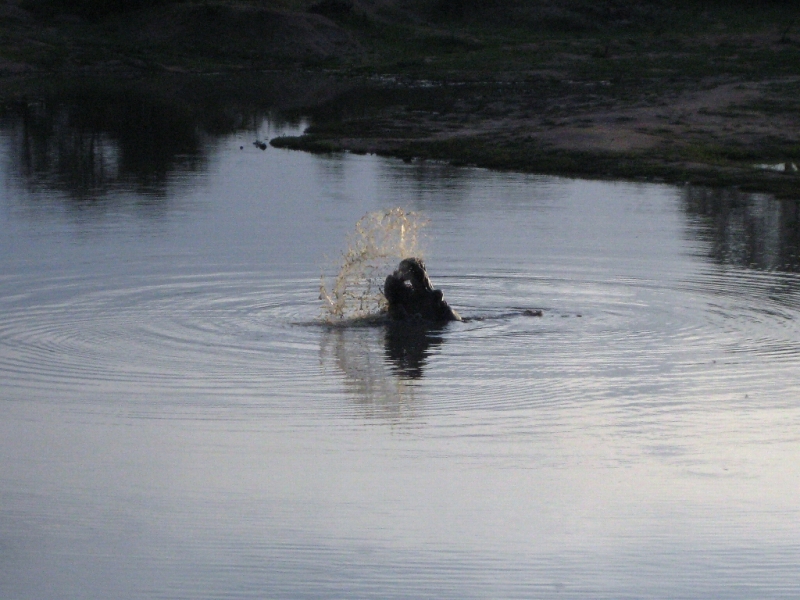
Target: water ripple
[245, 338]
[208, 335]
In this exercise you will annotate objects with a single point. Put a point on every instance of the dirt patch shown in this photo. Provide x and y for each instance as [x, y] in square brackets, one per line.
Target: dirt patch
[598, 138]
[695, 115]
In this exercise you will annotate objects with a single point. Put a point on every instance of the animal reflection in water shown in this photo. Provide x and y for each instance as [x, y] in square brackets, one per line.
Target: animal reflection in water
[408, 345]
[380, 363]
[369, 352]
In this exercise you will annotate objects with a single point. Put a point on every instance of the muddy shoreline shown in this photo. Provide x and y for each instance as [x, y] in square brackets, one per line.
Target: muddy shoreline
[718, 131]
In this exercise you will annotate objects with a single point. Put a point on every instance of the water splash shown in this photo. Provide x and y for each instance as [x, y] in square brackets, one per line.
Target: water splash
[379, 241]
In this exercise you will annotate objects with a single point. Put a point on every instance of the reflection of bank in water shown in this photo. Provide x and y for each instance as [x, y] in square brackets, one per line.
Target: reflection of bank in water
[379, 364]
[91, 138]
[747, 230]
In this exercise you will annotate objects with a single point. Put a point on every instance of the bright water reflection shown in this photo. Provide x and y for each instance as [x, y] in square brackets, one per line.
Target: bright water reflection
[177, 424]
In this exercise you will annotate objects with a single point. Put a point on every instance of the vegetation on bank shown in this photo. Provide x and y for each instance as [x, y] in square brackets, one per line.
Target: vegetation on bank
[676, 90]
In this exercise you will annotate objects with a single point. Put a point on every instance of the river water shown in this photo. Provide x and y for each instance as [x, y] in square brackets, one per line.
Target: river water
[177, 422]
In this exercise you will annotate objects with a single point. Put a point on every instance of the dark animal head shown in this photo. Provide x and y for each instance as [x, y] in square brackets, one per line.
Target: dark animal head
[413, 271]
[411, 295]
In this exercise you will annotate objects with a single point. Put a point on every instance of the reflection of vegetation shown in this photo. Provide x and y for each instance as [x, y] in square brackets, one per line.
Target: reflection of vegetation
[748, 230]
[87, 138]
[95, 140]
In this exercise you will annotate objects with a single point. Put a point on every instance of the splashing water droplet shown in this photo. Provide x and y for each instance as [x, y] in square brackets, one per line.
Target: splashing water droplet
[379, 241]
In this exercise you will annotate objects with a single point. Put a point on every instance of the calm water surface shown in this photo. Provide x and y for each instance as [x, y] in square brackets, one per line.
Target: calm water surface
[175, 421]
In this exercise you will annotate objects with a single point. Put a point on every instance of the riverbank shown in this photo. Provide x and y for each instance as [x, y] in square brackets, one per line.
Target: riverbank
[678, 93]
[720, 132]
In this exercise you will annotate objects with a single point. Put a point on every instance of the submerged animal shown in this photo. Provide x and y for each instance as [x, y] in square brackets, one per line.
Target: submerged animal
[411, 295]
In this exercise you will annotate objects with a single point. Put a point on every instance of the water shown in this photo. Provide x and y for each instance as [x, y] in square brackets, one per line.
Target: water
[176, 421]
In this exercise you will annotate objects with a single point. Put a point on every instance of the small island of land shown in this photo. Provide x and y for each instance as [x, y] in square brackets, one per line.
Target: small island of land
[683, 91]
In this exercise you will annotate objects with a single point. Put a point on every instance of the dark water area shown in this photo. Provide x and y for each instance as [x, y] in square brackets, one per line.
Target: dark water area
[177, 420]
